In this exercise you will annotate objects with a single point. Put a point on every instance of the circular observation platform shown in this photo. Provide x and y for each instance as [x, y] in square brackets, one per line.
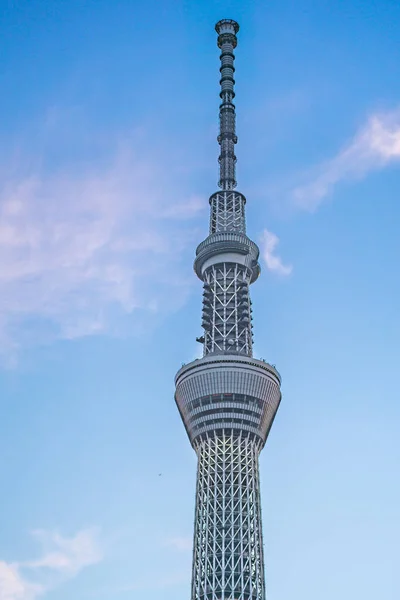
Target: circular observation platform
[228, 393]
[229, 247]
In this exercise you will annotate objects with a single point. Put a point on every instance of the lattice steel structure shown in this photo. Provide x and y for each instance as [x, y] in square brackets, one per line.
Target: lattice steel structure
[227, 399]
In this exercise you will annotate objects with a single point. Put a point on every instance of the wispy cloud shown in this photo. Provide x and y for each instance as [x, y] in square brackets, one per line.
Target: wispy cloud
[68, 555]
[269, 243]
[375, 146]
[80, 246]
[61, 559]
[13, 586]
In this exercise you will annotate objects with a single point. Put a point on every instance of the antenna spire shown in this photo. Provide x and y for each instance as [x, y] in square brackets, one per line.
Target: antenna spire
[227, 42]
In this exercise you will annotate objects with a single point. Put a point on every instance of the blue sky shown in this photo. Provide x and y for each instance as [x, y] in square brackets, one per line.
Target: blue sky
[107, 158]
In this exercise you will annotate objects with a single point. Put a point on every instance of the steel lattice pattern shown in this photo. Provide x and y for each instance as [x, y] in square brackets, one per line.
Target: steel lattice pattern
[227, 309]
[228, 550]
[227, 212]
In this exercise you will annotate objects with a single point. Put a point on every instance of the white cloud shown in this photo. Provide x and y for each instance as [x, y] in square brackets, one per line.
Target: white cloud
[77, 249]
[13, 586]
[375, 146]
[274, 263]
[62, 559]
[67, 555]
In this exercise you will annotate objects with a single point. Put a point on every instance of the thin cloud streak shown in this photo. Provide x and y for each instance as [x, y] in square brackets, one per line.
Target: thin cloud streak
[77, 251]
[274, 263]
[69, 555]
[374, 147]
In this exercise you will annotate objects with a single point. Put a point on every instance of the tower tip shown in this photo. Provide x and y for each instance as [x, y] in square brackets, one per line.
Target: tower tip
[227, 26]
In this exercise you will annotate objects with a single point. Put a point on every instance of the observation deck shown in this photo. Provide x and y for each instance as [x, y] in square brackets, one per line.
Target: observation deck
[228, 392]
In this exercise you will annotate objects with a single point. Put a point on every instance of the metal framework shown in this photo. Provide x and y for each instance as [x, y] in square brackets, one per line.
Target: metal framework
[228, 551]
[227, 399]
[227, 212]
[227, 309]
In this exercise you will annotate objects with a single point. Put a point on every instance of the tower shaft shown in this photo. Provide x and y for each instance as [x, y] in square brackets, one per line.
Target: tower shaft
[228, 552]
[227, 399]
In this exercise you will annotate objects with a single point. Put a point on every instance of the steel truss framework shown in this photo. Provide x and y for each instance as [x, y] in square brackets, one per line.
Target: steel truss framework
[227, 309]
[227, 212]
[228, 550]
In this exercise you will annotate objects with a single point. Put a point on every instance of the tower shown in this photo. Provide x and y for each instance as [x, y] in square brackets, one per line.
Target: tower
[227, 399]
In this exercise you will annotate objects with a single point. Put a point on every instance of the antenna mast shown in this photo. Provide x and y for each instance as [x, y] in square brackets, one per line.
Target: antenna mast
[227, 42]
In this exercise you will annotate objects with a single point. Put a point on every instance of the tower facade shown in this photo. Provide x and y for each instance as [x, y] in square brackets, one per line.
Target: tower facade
[227, 399]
